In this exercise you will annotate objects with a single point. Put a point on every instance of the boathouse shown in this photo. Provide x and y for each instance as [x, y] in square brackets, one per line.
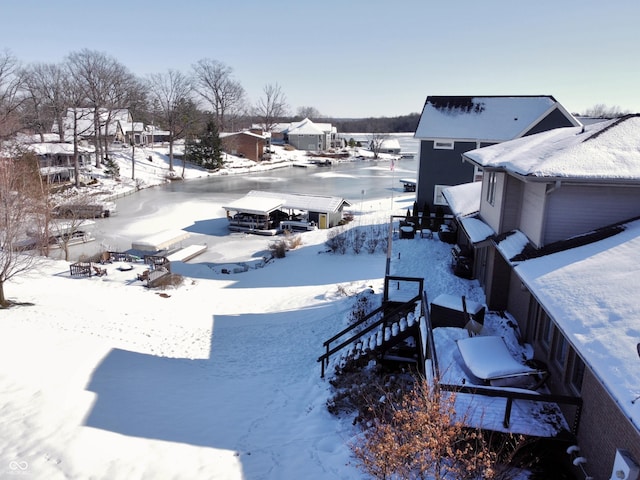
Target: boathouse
[263, 212]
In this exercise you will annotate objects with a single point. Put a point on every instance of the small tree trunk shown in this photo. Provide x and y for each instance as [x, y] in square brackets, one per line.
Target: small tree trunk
[3, 301]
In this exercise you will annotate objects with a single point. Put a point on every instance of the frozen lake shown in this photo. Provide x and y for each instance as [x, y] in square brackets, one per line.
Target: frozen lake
[195, 205]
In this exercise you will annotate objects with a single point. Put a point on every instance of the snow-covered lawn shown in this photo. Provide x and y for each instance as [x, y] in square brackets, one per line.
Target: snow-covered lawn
[101, 377]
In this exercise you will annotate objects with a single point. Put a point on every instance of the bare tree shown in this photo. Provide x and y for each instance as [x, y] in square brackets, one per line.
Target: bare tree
[137, 102]
[170, 92]
[45, 97]
[10, 98]
[75, 121]
[375, 143]
[601, 110]
[102, 80]
[213, 81]
[19, 185]
[272, 106]
[308, 112]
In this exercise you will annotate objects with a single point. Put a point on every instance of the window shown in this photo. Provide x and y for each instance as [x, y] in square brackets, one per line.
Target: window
[438, 197]
[546, 330]
[443, 144]
[532, 319]
[576, 371]
[560, 347]
[491, 188]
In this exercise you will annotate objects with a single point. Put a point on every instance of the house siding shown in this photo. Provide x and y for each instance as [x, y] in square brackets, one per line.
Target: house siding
[597, 437]
[511, 204]
[442, 167]
[249, 146]
[554, 119]
[306, 142]
[518, 302]
[532, 212]
[492, 214]
[576, 209]
[498, 275]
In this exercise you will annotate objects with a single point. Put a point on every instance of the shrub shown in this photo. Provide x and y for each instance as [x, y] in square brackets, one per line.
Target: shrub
[419, 435]
[359, 238]
[172, 280]
[292, 241]
[336, 240]
[278, 248]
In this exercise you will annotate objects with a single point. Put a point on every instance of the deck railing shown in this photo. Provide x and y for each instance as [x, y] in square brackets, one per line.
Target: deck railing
[386, 316]
[510, 395]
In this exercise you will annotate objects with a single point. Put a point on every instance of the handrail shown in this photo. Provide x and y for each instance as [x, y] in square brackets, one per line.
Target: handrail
[324, 358]
[519, 394]
[431, 344]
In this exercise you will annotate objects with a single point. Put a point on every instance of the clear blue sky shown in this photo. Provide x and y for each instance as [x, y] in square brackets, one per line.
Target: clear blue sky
[356, 58]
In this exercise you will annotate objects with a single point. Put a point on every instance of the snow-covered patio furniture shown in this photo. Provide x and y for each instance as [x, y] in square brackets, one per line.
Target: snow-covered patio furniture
[488, 359]
[449, 311]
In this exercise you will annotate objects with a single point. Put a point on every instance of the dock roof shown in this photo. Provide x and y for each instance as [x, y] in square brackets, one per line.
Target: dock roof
[257, 201]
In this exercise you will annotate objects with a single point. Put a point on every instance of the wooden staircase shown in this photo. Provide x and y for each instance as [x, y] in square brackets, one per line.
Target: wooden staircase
[384, 339]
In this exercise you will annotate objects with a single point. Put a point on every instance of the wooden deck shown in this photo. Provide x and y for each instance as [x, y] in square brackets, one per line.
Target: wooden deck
[187, 253]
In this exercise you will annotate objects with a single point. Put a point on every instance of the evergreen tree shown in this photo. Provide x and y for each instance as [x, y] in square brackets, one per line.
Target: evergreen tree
[426, 217]
[112, 168]
[206, 150]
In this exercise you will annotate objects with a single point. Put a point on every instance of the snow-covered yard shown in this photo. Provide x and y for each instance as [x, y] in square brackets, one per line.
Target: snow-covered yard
[217, 379]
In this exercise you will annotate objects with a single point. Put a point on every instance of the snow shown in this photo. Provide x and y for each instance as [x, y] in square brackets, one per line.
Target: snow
[464, 199]
[487, 357]
[494, 119]
[160, 241]
[101, 377]
[602, 151]
[591, 292]
[476, 229]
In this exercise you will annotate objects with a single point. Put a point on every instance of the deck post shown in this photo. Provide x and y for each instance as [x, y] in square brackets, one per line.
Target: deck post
[507, 412]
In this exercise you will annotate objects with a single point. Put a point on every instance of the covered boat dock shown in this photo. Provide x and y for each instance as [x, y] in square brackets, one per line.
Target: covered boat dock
[263, 212]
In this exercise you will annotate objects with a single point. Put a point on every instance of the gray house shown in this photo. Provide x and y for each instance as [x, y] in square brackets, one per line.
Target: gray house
[307, 135]
[452, 125]
[559, 251]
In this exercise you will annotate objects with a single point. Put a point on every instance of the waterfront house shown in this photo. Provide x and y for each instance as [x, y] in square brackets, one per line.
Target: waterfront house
[452, 125]
[560, 214]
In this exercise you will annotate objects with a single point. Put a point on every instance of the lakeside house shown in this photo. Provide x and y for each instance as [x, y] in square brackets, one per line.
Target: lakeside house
[306, 135]
[552, 232]
[246, 144]
[452, 125]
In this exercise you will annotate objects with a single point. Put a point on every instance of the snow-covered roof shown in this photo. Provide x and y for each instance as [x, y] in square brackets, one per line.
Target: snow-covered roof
[259, 201]
[84, 119]
[513, 244]
[36, 138]
[256, 204]
[492, 119]
[58, 148]
[591, 293]
[243, 132]
[131, 126]
[305, 127]
[476, 229]
[160, 241]
[600, 151]
[389, 144]
[463, 199]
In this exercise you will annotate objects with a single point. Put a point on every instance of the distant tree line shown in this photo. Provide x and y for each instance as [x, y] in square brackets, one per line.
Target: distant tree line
[404, 123]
